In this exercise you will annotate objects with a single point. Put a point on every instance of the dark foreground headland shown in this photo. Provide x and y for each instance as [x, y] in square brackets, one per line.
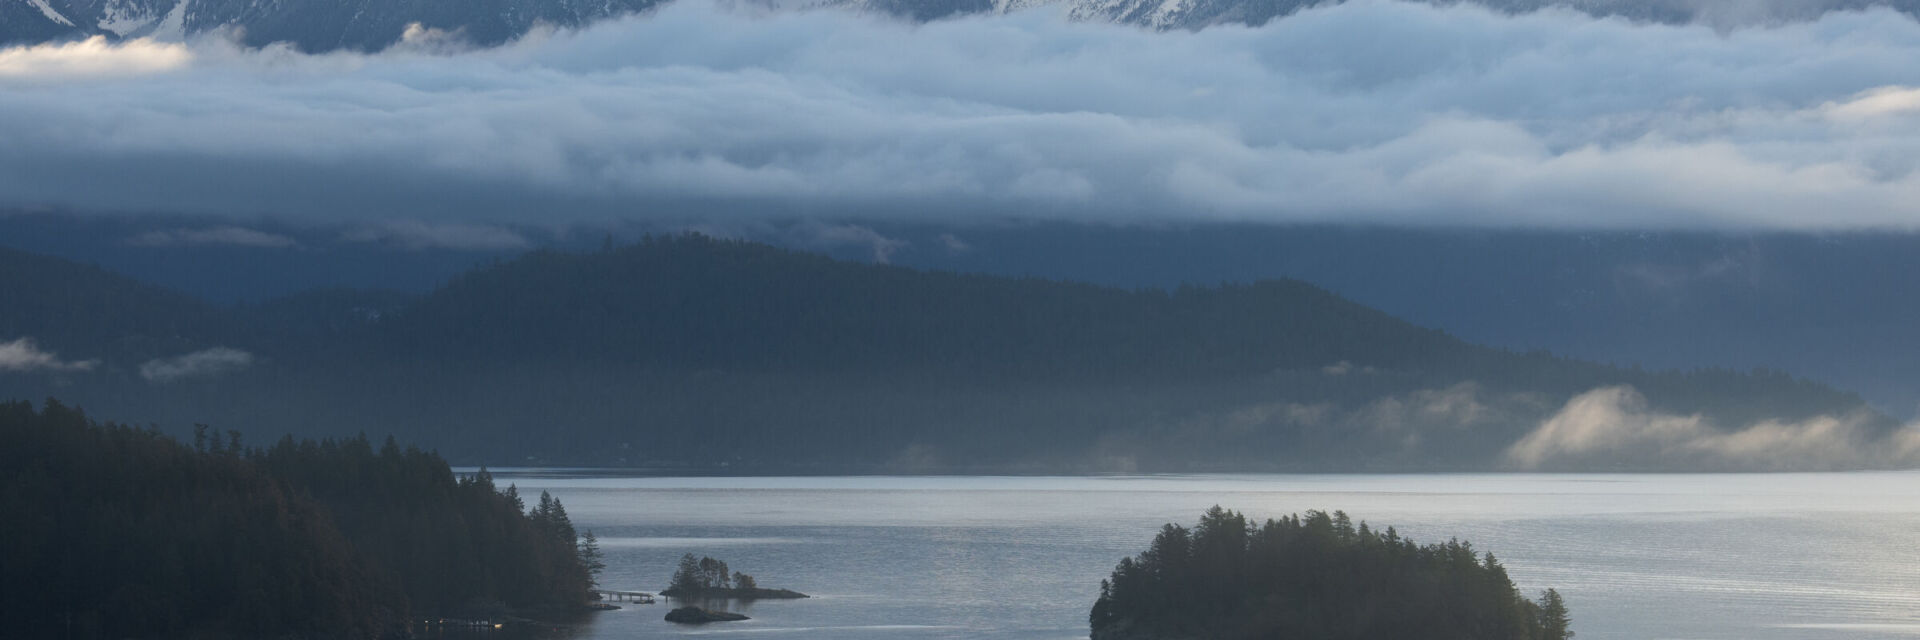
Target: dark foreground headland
[114, 531]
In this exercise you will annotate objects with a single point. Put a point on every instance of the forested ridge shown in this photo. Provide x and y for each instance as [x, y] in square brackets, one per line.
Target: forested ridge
[692, 301]
[66, 307]
[115, 531]
[692, 353]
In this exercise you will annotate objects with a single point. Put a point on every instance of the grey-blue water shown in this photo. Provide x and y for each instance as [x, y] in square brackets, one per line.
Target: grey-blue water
[1750, 557]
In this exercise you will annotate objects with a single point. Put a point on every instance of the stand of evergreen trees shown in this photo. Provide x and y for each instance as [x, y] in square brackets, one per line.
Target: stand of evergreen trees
[1316, 576]
[707, 578]
[120, 532]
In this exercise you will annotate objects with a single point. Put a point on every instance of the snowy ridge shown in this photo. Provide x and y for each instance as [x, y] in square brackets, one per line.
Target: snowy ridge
[174, 25]
[123, 19]
[324, 25]
[48, 11]
[1010, 6]
[1198, 14]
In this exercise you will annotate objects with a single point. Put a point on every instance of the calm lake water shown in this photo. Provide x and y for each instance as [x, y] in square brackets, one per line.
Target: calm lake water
[1800, 556]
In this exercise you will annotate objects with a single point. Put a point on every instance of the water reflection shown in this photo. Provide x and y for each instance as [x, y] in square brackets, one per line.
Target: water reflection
[1748, 557]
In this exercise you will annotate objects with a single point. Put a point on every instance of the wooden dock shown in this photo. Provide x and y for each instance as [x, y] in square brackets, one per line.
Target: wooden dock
[637, 597]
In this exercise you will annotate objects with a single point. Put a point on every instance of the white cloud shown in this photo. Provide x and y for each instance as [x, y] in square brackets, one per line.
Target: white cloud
[955, 245]
[1880, 102]
[230, 236]
[1367, 111]
[1344, 367]
[1615, 423]
[23, 355]
[207, 362]
[827, 236]
[90, 58]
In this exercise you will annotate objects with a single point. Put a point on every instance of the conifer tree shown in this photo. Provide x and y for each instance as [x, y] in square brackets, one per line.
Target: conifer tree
[686, 579]
[1554, 621]
[590, 557]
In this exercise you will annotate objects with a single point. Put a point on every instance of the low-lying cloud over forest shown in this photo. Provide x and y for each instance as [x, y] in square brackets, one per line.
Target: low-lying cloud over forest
[22, 354]
[1368, 111]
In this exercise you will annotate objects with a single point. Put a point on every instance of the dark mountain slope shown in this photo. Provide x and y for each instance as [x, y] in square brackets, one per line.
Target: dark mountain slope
[701, 303]
[693, 352]
[23, 22]
[310, 25]
[85, 311]
[1828, 306]
[695, 303]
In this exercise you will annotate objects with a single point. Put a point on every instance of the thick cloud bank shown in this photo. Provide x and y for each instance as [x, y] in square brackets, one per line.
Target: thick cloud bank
[1367, 111]
[1615, 423]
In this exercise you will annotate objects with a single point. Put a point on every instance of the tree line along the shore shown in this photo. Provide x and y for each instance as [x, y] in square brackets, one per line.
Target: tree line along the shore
[117, 531]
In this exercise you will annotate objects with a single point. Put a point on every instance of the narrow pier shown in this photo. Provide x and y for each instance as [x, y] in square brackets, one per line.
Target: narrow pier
[637, 597]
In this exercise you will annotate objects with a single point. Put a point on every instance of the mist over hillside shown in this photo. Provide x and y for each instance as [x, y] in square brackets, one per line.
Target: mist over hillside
[692, 353]
[1813, 304]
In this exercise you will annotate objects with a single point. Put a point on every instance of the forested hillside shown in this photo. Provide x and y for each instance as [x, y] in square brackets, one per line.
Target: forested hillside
[66, 306]
[115, 531]
[695, 302]
[686, 351]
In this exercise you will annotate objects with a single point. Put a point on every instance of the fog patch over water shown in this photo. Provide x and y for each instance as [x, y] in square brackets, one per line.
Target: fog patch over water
[1366, 111]
[1616, 423]
[1398, 429]
[684, 542]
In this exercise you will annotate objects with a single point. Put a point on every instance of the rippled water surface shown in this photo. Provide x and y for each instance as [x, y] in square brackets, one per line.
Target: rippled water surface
[1800, 556]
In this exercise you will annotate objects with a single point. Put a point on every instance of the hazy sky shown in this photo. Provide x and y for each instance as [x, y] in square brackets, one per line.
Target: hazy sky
[1370, 111]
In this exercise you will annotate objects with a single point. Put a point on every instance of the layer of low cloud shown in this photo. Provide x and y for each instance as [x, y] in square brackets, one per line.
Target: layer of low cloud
[204, 363]
[1407, 422]
[23, 355]
[221, 236]
[1368, 111]
[826, 236]
[416, 234]
[1615, 423]
[91, 58]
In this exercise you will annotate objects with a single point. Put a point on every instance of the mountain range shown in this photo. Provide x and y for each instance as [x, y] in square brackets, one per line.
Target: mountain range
[1818, 305]
[692, 353]
[365, 25]
[309, 25]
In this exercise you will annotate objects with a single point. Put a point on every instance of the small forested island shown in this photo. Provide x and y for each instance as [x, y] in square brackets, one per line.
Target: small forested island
[1315, 576]
[114, 531]
[705, 578]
